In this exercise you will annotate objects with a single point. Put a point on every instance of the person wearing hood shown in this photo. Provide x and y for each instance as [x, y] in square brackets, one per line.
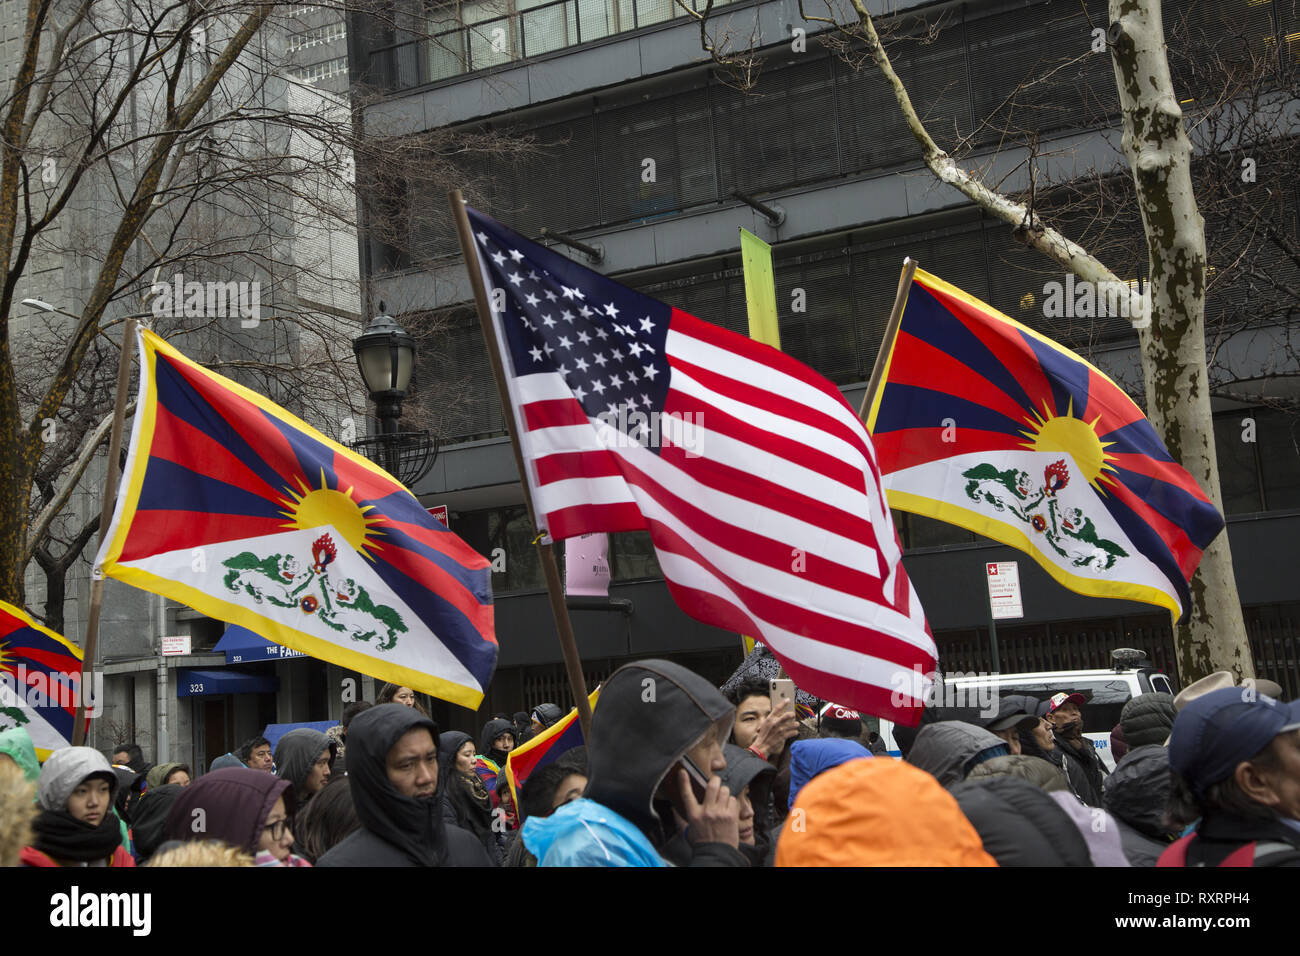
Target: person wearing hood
[808, 758]
[1137, 796]
[148, 824]
[544, 716]
[16, 745]
[247, 809]
[1147, 719]
[749, 778]
[877, 813]
[466, 800]
[393, 773]
[305, 757]
[950, 749]
[1019, 824]
[77, 825]
[495, 742]
[656, 719]
[164, 773]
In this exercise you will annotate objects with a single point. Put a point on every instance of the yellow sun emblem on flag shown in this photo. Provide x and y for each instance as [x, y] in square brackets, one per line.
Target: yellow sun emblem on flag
[314, 507]
[1072, 436]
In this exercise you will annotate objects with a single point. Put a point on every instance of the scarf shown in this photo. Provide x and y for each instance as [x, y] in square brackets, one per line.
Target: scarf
[61, 836]
[477, 791]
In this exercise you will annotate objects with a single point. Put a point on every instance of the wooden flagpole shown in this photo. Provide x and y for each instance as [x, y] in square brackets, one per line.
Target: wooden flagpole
[560, 611]
[891, 332]
[90, 652]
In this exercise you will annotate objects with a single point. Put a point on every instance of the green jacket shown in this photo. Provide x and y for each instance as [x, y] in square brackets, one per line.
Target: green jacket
[17, 744]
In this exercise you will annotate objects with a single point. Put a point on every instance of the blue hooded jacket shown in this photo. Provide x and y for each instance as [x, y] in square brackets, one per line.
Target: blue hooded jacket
[808, 758]
[585, 833]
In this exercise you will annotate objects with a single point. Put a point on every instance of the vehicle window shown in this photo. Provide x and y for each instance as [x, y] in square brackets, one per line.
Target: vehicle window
[1100, 714]
[1160, 684]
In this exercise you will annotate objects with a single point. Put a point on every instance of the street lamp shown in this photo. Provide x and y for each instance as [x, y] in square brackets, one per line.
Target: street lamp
[386, 358]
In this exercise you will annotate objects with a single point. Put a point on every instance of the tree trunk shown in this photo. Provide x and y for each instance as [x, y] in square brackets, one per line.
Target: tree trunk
[1212, 635]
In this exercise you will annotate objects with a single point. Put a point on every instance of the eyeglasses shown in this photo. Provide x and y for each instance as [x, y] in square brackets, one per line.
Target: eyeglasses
[278, 827]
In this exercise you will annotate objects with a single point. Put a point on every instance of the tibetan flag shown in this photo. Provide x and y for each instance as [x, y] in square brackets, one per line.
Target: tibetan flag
[233, 506]
[984, 423]
[547, 747]
[40, 682]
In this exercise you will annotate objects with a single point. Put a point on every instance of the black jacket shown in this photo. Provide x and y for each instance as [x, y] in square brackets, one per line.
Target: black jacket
[1019, 824]
[1083, 769]
[396, 830]
[1137, 796]
[650, 714]
[460, 808]
[1218, 835]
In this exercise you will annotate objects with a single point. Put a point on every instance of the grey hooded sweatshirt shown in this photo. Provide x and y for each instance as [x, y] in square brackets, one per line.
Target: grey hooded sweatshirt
[65, 770]
[295, 755]
[946, 749]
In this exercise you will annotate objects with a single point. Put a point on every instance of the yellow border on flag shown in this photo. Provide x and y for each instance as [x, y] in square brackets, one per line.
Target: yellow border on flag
[559, 727]
[988, 527]
[1015, 538]
[42, 754]
[129, 498]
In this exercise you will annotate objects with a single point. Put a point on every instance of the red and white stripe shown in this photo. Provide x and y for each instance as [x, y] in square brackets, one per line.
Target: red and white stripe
[772, 522]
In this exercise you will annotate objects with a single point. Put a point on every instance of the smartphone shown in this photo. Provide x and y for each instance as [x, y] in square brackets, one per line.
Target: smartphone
[779, 691]
[699, 779]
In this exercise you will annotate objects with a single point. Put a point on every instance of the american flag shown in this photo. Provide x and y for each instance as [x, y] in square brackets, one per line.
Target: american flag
[756, 480]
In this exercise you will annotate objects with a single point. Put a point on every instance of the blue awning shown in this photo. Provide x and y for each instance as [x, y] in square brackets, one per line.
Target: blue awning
[242, 646]
[273, 732]
[193, 682]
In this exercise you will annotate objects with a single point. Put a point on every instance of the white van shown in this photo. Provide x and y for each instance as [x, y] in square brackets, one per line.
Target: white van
[1108, 691]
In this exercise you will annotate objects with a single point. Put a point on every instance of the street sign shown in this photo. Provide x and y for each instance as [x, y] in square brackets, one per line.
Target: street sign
[1004, 590]
[440, 512]
[176, 646]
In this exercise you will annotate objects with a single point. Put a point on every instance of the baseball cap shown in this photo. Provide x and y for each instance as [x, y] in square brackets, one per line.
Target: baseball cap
[1060, 700]
[1014, 710]
[1219, 730]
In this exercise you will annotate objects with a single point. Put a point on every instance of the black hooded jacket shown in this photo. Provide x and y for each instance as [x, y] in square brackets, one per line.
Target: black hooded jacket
[491, 731]
[296, 754]
[1020, 825]
[1083, 769]
[150, 820]
[1137, 796]
[650, 713]
[461, 807]
[396, 830]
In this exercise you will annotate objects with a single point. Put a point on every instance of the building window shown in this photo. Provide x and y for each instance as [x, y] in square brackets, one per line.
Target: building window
[317, 36]
[322, 71]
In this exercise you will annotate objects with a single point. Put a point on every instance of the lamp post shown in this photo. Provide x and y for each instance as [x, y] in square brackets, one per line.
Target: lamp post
[386, 358]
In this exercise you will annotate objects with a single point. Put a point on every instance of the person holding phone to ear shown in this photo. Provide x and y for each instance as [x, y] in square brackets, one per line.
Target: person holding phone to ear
[654, 754]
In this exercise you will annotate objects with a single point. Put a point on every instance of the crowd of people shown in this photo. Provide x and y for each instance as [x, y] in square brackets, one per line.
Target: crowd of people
[678, 773]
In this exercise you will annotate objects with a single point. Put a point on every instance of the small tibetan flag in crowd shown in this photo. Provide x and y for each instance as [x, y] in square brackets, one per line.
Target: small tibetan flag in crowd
[547, 747]
[236, 508]
[40, 682]
[984, 423]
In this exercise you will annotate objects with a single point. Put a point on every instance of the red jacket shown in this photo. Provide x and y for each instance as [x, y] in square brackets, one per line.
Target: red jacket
[30, 856]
